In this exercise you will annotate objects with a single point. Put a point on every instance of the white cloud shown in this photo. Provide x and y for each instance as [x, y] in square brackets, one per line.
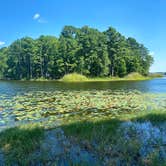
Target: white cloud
[2, 43]
[36, 16]
[39, 19]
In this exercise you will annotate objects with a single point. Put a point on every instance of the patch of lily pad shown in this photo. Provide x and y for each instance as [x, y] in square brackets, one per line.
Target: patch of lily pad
[50, 109]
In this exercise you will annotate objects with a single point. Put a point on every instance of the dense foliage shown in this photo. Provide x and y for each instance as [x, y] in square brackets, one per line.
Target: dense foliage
[83, 50]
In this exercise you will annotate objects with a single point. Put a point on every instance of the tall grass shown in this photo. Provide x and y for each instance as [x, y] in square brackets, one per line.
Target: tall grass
[135, 76]
[74, 77]
[19, 143]
[106, 127]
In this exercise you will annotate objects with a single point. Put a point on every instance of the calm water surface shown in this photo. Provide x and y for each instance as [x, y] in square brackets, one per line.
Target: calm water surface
[11, 88]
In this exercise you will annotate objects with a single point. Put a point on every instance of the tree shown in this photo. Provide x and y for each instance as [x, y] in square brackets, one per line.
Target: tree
[94, 51]
[45, 55]
[84, 50]
[116, 43]
[3, 62]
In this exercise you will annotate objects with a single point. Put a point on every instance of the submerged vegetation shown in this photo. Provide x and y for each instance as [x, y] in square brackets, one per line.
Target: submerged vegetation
[82, 50]
[137, 138]
[54, 108]
[109, 125]
[86, 117]
[113, 130]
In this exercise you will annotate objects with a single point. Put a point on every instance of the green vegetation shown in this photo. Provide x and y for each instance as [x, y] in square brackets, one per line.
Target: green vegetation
[90, 118]
[135, 76]
[64, 106]
[20, 142]
[74, 77]
[78, 50]
[106, 127]
[108, 137]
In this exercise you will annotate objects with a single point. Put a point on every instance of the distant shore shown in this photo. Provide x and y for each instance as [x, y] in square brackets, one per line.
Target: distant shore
[74, 77]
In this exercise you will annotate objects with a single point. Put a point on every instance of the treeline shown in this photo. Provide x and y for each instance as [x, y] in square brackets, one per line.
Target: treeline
[83, 50]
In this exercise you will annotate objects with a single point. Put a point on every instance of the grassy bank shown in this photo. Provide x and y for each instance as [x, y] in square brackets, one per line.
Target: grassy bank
[99, 136]
[105, 127]
[106, 137]
[74, 77]
[19, 143]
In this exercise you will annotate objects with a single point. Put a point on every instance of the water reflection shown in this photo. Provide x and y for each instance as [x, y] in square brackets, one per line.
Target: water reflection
[15, 87]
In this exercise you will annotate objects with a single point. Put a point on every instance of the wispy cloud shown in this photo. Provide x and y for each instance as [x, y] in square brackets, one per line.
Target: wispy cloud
[39, 19]
[2, 43]
[36, 16]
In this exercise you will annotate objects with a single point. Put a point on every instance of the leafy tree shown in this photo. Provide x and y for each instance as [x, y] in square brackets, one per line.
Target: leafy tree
[46, 51]
[94, 51]
[3, 62]
[84, 50]
[116, 43]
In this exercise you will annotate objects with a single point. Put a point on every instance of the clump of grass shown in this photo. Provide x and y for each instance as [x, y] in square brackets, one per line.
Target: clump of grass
[88, 130]
[74, 77]
[19, 142]
[154, 117]
[106, 127]
[135, 76]
[105, 137]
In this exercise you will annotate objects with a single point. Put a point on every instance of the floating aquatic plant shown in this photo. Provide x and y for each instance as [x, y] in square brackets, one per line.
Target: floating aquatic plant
[56, 106]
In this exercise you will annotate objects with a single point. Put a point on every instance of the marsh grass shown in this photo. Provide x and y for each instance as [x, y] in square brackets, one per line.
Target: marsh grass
[104, 137]
[135, 76]
[19, 142]
[105, 128]
[74, 77]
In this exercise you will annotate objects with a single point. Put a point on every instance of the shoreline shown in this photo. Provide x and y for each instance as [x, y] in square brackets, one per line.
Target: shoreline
[70, 139]
[106, 79]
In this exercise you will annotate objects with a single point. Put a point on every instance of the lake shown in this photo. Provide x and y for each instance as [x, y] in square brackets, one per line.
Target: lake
[51, 102]
[157, 85]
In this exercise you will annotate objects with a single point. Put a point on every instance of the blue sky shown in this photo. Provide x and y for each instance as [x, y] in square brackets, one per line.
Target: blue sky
[144, 20]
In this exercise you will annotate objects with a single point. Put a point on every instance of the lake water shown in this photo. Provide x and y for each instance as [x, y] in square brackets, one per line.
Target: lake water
[149, 86]
[50, 102]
